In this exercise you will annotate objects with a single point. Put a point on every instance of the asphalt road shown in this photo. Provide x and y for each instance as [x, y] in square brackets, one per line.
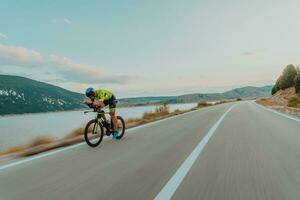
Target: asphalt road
[231, 151]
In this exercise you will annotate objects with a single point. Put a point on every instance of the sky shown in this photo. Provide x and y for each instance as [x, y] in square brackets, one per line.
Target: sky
[149, 48]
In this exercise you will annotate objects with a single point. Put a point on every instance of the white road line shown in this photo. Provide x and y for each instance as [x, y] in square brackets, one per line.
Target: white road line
[278, 113]
[52, 152]
[170, 188]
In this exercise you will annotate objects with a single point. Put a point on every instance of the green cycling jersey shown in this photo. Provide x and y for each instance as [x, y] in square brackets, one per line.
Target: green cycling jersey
[103, 95]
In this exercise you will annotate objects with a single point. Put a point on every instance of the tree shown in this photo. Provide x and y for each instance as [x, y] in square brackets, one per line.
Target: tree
[287, 77]
[276, 86]
[297, 82]
[298, 69]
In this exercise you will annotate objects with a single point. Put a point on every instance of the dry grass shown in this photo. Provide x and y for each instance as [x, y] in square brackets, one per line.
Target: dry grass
[75, 133]
[131, 120]
[40, 141]
[294, 102]
[222, 101]
[34, 143]
[153, 115]
[202, 104]
[159, 112]
[12, 150]
[177, 110]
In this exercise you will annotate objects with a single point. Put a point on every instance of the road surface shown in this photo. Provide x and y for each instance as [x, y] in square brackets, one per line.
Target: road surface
[231, 151]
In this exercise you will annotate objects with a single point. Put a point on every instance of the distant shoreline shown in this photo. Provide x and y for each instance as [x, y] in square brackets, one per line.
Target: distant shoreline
[82, 109]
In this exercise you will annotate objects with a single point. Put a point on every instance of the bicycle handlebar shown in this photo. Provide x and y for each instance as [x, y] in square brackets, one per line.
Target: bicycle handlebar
[88, 111]
[95, 110]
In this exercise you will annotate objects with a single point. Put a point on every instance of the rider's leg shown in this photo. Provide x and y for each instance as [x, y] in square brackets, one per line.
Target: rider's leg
[112, 111]
[114, 120]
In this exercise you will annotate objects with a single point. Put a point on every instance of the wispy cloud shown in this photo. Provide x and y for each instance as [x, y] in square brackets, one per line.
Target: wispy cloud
[67, 21]
[3, 36]
[68, 69]
[16, 55]
[248, 53]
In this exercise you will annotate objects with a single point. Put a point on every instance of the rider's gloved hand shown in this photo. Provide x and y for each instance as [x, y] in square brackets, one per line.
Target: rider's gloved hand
[88, 102]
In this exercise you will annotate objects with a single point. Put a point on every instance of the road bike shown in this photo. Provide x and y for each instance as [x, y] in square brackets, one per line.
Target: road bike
[94, 130]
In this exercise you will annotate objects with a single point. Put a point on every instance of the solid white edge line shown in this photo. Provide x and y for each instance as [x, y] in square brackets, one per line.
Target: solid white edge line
[277, 112]
[52, 152]
[170, 188]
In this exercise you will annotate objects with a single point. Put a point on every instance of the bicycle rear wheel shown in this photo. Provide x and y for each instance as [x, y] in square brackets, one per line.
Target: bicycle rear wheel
[121, 127]
[93, 133]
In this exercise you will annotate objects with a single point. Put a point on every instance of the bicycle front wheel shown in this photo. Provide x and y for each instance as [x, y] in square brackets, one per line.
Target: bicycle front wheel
[121, 127]
[93, 133]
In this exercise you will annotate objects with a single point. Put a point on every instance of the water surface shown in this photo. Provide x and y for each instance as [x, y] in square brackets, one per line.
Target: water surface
[21, 129]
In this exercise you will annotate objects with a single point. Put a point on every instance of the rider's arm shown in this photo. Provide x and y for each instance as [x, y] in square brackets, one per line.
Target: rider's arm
[99, 103]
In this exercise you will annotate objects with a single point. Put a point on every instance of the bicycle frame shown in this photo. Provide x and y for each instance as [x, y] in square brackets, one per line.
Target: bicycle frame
[100, 118]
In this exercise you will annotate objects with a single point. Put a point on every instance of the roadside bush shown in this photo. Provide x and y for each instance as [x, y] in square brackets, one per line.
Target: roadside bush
[201, 104]
[239, 99]
[294, 102]
[162, 108]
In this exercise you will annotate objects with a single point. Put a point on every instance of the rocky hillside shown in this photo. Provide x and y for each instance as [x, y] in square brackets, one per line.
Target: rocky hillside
[23, 95]
[286, 100]
[280, 98]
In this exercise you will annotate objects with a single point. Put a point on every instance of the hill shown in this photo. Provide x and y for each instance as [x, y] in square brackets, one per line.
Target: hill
[23, 95]
[244, 92]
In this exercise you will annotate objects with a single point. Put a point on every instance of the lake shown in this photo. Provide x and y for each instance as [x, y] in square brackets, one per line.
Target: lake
[21, 129]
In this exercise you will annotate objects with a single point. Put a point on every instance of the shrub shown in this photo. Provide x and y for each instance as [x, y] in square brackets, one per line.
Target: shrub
[239, 99]
[162, 108]
[287, 78]
[201, 104]
[294, 102]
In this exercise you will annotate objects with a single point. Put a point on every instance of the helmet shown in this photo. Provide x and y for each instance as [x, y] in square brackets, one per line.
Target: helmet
[89, 92]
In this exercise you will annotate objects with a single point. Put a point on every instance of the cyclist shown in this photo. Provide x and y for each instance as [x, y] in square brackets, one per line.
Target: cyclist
[101, 98]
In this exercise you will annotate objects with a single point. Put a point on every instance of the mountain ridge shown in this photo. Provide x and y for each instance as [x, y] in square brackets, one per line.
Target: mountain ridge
[23, 95]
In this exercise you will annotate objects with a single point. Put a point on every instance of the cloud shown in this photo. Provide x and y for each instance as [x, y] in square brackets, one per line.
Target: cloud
[68, 69]
[67, 21]
[3, 36]
[15, 55]
[248, 53]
